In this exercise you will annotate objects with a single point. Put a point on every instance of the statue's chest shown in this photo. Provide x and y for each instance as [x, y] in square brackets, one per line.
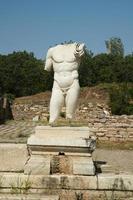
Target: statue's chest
[64, 55]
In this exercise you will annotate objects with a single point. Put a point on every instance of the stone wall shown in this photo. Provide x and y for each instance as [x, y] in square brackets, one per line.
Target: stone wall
[30, 111]
[113, 128]
[97, 116]
[107, 126]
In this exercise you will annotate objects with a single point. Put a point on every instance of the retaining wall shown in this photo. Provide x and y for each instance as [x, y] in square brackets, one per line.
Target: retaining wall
[97, 116]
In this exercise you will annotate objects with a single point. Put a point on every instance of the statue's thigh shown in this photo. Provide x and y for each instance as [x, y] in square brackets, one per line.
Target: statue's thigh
[72, 96]
[57, 98]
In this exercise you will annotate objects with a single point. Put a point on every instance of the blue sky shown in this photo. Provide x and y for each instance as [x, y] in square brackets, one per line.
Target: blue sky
[35, 25]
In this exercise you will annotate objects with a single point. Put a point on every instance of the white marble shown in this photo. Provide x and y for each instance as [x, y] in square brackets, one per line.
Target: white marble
[75, 139]
[12, 157]
[38, 165]
[64, 60]
[74, 143]
[83, 165]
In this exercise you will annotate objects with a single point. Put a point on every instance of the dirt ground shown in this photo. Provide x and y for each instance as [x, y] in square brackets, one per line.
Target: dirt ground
[114, 161]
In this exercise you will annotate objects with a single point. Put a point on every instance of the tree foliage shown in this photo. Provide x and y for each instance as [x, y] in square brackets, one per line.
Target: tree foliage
[115, 46]
[22, 74]
[120, 98]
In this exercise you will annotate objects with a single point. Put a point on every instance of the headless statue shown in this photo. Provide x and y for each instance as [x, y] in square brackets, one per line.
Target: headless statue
[65, 60]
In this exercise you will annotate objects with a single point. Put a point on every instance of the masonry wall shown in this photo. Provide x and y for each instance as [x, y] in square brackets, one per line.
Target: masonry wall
[97, 116]
[107, 126]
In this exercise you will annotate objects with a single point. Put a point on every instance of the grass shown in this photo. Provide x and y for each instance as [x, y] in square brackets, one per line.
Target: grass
[71, 124]
[21, 186]
[114, 145]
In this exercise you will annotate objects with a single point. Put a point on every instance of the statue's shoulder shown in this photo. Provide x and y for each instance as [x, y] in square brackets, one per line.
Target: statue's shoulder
[57, 49]
[62, 47]
[58, 46]
[52, 49]
[50, 52]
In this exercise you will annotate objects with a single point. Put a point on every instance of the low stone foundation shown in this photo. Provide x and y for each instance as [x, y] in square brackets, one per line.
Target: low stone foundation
[65, 187]
[97, 116]
[14, 185]
[113, 128]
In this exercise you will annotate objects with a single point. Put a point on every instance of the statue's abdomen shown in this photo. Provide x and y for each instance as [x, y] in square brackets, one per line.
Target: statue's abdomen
[65, 79]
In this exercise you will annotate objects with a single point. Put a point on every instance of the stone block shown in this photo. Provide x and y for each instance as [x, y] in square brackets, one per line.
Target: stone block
[67, 139]
[100, 134]
[115, 182]
[78, 182]
[16, 180]
[83, 166]
[13, 157]
[28, 197]
[50, 146]
[38, 164]
[49, 182]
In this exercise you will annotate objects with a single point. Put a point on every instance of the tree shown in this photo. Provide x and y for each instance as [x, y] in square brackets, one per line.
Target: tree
[86, 75]
[120, 99]
[22, 74]
[115, 46]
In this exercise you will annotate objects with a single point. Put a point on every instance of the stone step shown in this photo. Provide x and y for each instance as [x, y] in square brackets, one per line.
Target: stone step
[107, 169]
[28, 197]
[13, 157]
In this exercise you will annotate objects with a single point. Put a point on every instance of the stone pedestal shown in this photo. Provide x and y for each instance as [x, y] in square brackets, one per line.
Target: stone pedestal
[60, 150]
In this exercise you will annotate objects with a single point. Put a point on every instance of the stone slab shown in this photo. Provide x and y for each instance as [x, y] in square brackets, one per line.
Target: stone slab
[28, 197]
[38, 164]
[69, 182]
[66, 153]
[12, 157]
[115, 182]
[49, 181]
[83, 166]
[68, 139]
[78, 182]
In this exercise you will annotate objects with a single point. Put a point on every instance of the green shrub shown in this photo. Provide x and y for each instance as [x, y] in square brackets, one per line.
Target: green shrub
[120, 99]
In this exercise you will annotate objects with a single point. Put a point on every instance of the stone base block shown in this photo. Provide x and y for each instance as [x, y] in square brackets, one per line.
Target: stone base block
[56, 139]
[38, 165]
[12, 157]
[83, 166]
[62, 150]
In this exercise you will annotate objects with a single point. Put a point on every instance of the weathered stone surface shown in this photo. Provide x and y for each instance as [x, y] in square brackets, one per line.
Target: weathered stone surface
[100, 134]
[62, 140]
[15, 180]
[13, 157]
[69, 139]
[115, 182]
[28, 197]
[67, 187]
[78, 182]
[61, 164]
[36, 118]
[83, 166]
[48, 181]
[38, 164]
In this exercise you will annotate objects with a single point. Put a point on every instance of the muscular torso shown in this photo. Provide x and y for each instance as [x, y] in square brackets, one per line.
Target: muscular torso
[65, 65]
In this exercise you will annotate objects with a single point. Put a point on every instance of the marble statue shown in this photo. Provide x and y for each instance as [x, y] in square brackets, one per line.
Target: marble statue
[64, 59]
